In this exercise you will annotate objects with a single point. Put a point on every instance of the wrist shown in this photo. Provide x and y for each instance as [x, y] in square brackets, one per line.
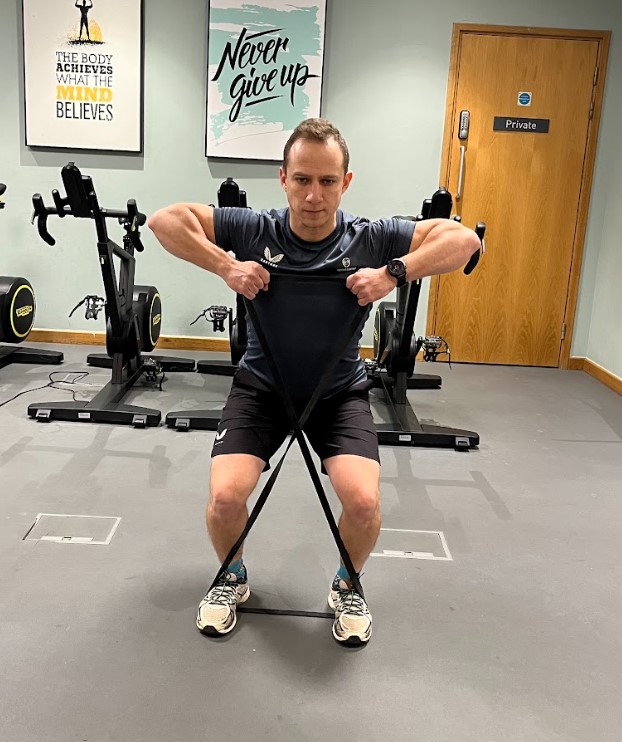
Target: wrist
[225, 266]
[396, 269]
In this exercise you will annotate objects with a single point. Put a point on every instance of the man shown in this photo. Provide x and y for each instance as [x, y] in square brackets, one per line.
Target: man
[311, 235]
[84, 17]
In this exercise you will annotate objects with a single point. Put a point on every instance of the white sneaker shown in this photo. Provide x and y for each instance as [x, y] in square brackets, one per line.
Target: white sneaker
[217, 611]
[352, 624]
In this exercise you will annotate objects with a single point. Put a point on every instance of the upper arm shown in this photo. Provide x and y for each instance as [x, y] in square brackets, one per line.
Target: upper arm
[205, 215]
[450, 231]
[182, 217]
[391, 238]
[424, 227]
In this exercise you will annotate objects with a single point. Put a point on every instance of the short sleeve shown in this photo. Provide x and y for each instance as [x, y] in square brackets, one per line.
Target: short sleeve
[390, 238]
[236, 230]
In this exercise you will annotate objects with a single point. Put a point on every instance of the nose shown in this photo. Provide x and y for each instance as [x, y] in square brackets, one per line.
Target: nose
[314, 194]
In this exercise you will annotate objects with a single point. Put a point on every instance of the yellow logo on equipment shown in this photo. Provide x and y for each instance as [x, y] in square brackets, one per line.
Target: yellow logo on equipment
[19, 313]
[155, 320]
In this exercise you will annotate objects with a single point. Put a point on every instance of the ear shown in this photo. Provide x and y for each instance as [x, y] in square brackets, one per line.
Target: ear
[283, 178]
[347, 179]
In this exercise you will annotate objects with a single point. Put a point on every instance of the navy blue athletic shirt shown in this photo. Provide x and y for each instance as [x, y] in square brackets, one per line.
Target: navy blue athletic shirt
[266, 238]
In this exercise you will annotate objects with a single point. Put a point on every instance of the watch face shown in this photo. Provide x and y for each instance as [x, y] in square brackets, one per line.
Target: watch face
[396, 267]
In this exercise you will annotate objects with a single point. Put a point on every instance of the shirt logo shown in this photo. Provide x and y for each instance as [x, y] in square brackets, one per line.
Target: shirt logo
[220, 436]
[273, 260]
[346, 262]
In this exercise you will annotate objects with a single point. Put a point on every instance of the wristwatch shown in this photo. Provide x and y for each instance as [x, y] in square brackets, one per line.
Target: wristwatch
[397, 269]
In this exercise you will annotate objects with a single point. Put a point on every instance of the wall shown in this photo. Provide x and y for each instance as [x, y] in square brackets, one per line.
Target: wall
[385, 83]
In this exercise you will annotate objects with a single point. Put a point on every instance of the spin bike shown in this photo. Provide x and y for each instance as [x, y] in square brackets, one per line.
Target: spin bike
[229, 194]
[133, 313]
[396, 352]
[17, 316]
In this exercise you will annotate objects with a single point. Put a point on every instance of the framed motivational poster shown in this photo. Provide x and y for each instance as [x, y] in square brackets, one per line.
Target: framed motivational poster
[83, 81]
[265, 66]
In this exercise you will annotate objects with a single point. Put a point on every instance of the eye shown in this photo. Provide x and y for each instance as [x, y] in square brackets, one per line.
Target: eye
[329, 181]
[300, 179]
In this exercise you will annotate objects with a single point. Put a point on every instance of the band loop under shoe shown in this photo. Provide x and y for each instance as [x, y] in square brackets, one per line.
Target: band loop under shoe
[217, 611]
[352, 625]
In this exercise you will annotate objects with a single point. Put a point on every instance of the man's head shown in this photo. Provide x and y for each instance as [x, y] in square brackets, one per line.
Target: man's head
[317, 130]
[314, 175]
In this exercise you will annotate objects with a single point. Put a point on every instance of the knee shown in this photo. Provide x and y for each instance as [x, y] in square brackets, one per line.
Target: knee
[226, 502]
[362, 505]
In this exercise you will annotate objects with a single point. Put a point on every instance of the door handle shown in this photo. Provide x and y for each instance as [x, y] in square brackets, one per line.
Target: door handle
[461, 173]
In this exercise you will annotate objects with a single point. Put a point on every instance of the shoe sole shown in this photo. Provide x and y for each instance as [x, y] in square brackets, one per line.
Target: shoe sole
[213, 632]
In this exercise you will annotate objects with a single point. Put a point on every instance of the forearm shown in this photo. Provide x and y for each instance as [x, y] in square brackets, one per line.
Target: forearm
[180, 232]
[441, 248]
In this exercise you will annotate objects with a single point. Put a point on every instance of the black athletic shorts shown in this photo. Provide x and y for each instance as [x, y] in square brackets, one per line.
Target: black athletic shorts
[254, 421]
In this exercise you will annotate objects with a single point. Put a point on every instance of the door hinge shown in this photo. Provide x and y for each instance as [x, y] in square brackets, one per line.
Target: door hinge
[563, 330]
[595, 76]
[591, 115]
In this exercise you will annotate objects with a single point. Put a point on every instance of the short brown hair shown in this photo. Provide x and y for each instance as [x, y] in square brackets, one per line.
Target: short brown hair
[317, 130]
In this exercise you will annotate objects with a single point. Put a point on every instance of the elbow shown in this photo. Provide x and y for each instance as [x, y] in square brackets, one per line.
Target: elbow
[157, 220]
[161, 220]
[470, 245]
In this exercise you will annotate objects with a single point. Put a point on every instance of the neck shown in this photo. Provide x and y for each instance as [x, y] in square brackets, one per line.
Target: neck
[311, 234]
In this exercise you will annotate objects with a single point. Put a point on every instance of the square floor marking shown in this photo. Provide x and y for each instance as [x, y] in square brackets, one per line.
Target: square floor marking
[73, 529]
[400, 543]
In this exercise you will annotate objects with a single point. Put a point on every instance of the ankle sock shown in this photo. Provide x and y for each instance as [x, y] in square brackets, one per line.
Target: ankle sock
[342, 573]
[237, 568]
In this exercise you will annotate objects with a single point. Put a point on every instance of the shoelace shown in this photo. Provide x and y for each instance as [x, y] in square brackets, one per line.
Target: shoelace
[224, 593]
[350, 602]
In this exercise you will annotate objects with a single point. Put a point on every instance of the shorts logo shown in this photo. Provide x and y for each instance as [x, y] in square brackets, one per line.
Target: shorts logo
[220, 436]
[272, 260]
[346, 262]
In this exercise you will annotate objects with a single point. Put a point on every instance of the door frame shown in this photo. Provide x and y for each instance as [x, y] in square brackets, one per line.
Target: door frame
[603, 38]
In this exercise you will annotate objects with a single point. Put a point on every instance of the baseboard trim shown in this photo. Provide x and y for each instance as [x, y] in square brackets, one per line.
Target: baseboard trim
[601, 374]
[168, 342]
[172, 342]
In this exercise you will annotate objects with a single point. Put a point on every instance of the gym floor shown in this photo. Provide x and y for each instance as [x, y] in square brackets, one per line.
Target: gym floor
[510, 633]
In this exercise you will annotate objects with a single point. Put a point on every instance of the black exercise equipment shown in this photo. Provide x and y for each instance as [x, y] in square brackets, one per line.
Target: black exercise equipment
[131, 326]
[17, 316]
[229, 195]
[396, 353]
[329, 294]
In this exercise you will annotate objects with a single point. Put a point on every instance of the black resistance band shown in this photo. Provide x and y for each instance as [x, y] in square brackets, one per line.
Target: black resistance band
[339, 291]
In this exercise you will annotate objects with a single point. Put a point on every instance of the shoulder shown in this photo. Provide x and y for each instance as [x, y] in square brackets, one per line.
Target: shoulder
[395, 225]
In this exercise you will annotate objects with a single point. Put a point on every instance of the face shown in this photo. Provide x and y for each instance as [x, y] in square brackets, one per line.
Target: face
[314, 183]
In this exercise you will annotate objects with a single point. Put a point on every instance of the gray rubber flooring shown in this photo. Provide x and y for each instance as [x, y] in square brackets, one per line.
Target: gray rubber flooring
[511, 633]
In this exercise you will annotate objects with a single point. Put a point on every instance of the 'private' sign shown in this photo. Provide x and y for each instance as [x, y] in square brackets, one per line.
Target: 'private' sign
[526, 126]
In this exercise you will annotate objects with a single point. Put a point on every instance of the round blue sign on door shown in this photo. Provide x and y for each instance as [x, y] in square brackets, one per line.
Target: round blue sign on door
[524, 99]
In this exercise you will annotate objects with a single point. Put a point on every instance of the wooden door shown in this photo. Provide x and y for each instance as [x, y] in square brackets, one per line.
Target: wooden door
[530, 187]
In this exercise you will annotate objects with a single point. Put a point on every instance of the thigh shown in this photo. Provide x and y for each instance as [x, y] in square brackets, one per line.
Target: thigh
[235, 476]
[356, 481]
[253, 422]
[343, 426]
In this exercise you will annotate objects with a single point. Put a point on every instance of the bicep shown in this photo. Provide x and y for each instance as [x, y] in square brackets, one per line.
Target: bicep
[205, 217]
[423, 229]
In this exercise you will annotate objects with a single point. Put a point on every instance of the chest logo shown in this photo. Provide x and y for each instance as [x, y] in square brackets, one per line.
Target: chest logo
[272, 259]
[346, 262]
